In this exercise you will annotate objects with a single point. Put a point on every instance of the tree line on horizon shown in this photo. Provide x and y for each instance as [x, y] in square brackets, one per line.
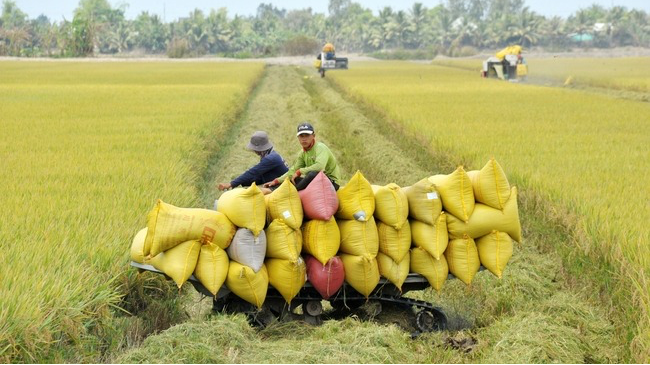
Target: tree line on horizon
[455, 28]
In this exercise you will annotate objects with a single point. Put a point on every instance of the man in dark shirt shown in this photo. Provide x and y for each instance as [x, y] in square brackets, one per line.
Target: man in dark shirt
[271, 164]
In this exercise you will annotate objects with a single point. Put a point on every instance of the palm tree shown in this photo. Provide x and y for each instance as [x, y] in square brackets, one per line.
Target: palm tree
[417, 25]
[552, 32]
[402, 29]
[581, 24]
[616, 18]
[196, 32]
[121, 37]
[639, 28]
[525, 31]
[442, 27]
[219, 33]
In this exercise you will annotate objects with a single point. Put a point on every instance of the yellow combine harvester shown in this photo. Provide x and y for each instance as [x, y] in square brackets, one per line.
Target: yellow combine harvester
[508, 64]
[327, 60]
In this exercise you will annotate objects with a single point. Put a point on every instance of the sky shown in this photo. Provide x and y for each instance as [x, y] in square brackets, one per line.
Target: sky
[173, 9]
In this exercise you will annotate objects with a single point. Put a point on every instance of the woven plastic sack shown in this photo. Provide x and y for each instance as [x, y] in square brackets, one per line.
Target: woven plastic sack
[394, 243]
[490, 185]
[288, 277]
[433, 239]
[462, 258]
[247, 284]
[436, 271]
[178, 262]
[247, 249]
[494, 251]
[487, 219]
[321, 239]
[137, 246]
[361, 272]
[319, 200]
[284, 204]
[212, 267]
[356, 199]
[327, 279]
[424, 200]
[245, 207]
[358, 237]
[283, 242]
[395, 272]
[167, 226]
[456, 192]
[391, 205]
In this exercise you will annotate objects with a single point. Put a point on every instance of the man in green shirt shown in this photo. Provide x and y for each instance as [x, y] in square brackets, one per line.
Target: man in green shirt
[314, 157]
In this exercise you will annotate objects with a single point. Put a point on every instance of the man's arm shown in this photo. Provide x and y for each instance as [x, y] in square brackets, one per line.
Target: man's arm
[297, 164]
[252, 174]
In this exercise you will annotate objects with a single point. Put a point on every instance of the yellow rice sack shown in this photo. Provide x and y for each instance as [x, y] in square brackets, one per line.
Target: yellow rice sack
[356, 200]
[284, 204]
[137, 246]
[436, 271]
[224, 234]
[394, 243]
[494, 251]
[212, 267]
[321, 239]
[486, 219]
[358, 237]
[167, 226]
[283, 242]
[244, 207]
[490, 185]
[288, 277]
[462, 258]
[456, 192]
[247, 284]
[395, 272]
[179, 262]
[425, 204]
[361, 272]
[434, 238]
[391, 205]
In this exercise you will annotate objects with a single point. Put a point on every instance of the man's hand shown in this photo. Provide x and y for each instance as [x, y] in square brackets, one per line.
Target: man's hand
[271, 183]
[224, 186]
[295, 175]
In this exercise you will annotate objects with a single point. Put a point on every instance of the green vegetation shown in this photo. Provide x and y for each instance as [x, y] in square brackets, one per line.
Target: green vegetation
[453, 28]
[114, 137]
[87, 149]
[562, 146]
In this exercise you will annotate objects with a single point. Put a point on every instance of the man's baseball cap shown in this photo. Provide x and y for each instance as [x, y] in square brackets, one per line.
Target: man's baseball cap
[305, 128]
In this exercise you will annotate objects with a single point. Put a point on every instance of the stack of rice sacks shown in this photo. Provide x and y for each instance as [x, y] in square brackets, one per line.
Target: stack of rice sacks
[482, 219]
[359, 237]
[182, 241]
[428, 232]
[287, 270]
[248, 276]
[320, 235]
[394, 232]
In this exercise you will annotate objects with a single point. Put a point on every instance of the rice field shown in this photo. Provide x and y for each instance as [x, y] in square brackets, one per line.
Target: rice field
[536, 314]
[626, 74]
[86, 149]
[587, 153]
